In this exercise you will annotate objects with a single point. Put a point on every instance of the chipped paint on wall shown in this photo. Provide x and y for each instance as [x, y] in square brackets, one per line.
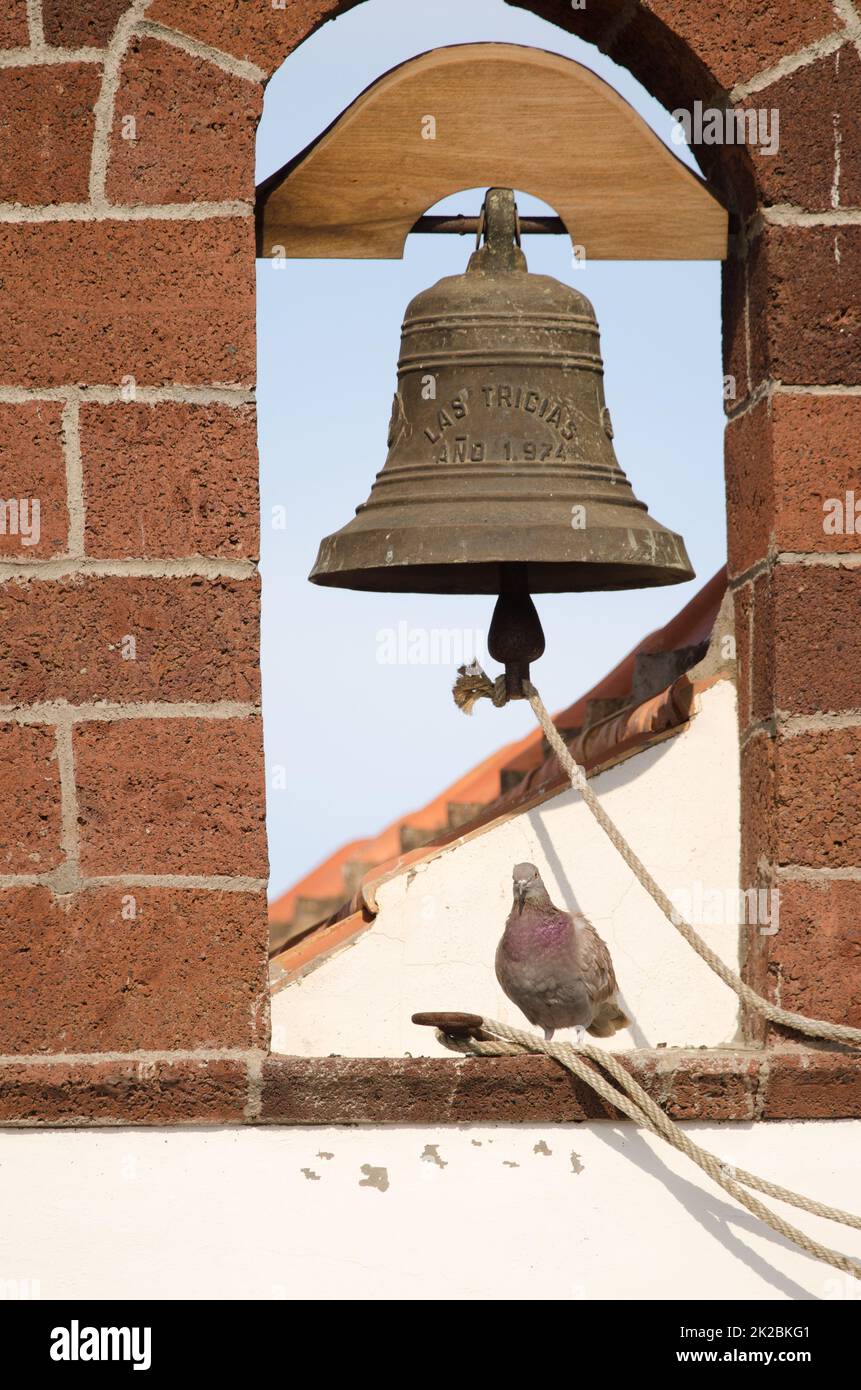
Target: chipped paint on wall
[430, 1154]
[374, 1177]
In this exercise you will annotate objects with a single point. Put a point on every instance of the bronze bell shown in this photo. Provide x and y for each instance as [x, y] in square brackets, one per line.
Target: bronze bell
[501, 474]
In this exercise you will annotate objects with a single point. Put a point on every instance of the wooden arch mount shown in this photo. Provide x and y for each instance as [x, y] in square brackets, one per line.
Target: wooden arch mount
[499, 114]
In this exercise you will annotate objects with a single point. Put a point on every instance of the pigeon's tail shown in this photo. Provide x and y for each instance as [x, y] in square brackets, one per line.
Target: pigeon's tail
[609, 1018]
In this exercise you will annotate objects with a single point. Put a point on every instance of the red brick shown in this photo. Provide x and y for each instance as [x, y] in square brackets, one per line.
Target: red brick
[195, 126]
[46, 132]
[756, 871]
[736, 39]
[195, 639]
[789, 461]
[818, 808]
[753, 968]
[763, 652]
[709, 1088]
[161, 301]
[171, 796]
[670, 68]
[762, 294]
[815, 445]
[815, 956]
[248, 29]
[817, 106]
[81, 23]
[757, 805]
[808, 1084]
[734, 328]
[30, 795]
[184, 1092]
[14, 30]
[33, 468]
[187, 971]
[808, 639]
[594, 22]
[742, 607]
[848, 83]
[805, 305]
[170, 480]
[748, 448]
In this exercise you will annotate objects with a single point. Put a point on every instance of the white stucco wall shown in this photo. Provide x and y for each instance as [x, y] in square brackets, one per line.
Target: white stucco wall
[448, 1213]
[433, 942]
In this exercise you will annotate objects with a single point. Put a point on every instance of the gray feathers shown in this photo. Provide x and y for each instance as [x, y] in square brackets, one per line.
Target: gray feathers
[554, 966]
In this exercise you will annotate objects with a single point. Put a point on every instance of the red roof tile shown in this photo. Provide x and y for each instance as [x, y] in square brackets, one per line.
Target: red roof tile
[325, 881]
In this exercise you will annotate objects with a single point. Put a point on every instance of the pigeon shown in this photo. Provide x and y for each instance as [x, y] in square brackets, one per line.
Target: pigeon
[554, 966]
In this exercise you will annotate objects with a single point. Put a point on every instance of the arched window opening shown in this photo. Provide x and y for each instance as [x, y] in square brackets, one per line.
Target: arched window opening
[360, 726]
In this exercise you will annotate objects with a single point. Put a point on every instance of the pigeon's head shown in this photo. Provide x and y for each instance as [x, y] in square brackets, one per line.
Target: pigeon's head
[527, 880]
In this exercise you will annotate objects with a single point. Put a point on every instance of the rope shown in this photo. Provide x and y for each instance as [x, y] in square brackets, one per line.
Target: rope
[499, 1040]
[472, 684]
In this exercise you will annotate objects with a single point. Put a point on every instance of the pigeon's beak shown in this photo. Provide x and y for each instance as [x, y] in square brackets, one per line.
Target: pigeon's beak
[520, 894]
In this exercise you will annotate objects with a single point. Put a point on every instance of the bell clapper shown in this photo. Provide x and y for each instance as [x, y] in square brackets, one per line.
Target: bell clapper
[516, 636]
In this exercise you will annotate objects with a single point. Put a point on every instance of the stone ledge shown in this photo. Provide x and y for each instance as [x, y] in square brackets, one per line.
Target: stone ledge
[185, 1091]
[690, 1085]
[790, 1083]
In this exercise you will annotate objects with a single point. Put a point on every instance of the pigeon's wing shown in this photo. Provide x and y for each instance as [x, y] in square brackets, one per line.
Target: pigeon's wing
[596, 967]
[600, 980]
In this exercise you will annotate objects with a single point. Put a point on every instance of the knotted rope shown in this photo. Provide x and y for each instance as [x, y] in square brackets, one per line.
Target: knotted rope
[492, 1039]
[472, 685]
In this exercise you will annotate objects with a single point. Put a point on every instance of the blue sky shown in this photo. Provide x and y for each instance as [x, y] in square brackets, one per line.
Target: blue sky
[351, 742]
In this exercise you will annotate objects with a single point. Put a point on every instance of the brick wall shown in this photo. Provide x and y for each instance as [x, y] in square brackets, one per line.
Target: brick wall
[132, 857]
[133, 852]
